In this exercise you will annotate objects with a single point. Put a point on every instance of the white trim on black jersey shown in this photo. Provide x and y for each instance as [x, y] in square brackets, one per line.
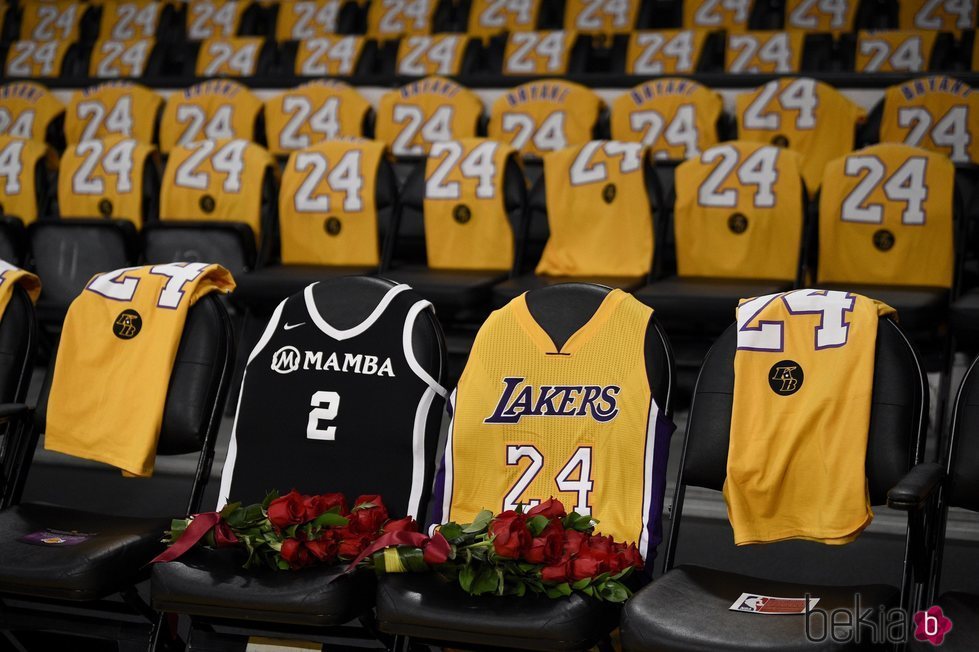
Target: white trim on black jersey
[347, 333]
[447, 459]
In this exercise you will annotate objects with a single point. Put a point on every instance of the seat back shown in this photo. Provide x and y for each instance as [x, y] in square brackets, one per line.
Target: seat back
[18, 344]
[313, 112]
[373, 339]
[739, 212]
[962, 456]
[886, 217]
[454, 220]
[545, 116]
[213, 110]
[113, 109]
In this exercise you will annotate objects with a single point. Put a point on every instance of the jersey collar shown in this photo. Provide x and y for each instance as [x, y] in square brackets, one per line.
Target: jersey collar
[345, 334]
[579, 338]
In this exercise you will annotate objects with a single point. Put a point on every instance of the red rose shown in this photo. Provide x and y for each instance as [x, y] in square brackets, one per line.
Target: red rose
[316, 505]
[587, 564]
[548, 547]
[573, 541]
[296, 554]
[352, 546]
[556, 573]
[368, 514]
[599, 544]
[630, 557]
[287, 510]
[406, 524]
[551, 508]
[436, 550]
[510, 534]
[325, 548]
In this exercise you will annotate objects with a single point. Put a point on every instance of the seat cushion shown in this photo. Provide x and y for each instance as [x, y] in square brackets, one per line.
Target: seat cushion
[965, 312]
[507, 290]
[963, 610]
[212, 583]
[688, 609]
[432, 608]
[918, 309]
[705, 305]
[263, 289]
[112, 558]
[452, 289]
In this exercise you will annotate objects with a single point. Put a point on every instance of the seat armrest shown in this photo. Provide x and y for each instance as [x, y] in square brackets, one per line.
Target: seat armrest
[916, 487]
[10, 411]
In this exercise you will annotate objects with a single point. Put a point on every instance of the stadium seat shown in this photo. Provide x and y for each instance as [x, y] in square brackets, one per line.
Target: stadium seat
[26, 170]
[213, 110]
[964, 311]
[426, 609]
[313, 112]
[96, 573]
[689, 606]
[113, 109]
[210, 586]
[582, 209]
[454, 243]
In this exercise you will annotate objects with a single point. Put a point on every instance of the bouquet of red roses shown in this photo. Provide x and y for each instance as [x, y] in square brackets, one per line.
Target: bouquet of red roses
[287, 532]
[544, 551]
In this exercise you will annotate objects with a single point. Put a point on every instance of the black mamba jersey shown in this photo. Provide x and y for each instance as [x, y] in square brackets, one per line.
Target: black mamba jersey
[347, 410]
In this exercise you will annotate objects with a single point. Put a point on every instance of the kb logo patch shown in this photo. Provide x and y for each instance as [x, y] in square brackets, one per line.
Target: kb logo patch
[286, 360]
[127, 325]
[786, 377]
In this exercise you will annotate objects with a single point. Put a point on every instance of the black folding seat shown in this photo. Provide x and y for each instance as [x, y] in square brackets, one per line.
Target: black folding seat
[456, 240]
[387, 452]
[93, 575]
[964, 311]
[591, 200]
[689, 607]
[25, 193]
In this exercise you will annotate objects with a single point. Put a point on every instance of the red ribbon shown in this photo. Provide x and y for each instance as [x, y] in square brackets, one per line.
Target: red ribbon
[435, 550]
[199, 526]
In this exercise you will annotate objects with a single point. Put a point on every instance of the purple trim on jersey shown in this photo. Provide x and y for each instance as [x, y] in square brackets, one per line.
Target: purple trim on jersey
[661, 441]
[435, 514]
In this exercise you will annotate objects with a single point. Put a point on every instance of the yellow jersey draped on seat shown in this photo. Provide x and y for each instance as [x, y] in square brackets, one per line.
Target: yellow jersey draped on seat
[433, 109]
[327, 204]
[579, 423]
[937, 113]
[19, 160]
[390, 19]
[439, 54]
[306, 19]
[214, 18]
[220, 109]
[315, 111]
[731, 15]
[36, 58]
[221, 181]
[544, 116]
[894, 51]
[229, 57]
[806, 116]
[601, 16]
[129, 20]
[113, 59]
[328, 56]
[938, 15]
[27, 110]
[10, 277]
[668, 51]
[675, 118]
[806, 15]
[491, 17]
[115, 359]
[739, 212]
[104, 178]
[465, 213]
[538, 53]
[763, 52]
[886, 217]
[50, 22]
[112, 109]
[598, 211]
[803, 382]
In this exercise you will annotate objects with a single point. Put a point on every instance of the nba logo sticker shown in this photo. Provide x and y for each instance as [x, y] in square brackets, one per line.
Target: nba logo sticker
[127, 325]
[785, 377]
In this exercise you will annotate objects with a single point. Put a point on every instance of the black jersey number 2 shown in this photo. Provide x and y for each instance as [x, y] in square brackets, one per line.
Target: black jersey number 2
[325, 407]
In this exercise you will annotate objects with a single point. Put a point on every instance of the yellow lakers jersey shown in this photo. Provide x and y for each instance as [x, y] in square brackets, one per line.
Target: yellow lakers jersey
[466, 223]
[315, 111]
[215, 110]
[129, 20]
[36, 58]
[664, 52]
[229, 57]
[813, 16]
[799, 427]
[12, 276]
[422, 55]
[18, 176]
[394, 18]
[327, 209]
[112, 109]
[738, 212]
[489, 17]
[433, 109]
[104, 178]
[760, 52]
[328, 56]
[937, 113]
[114, 362]
[531, 421]
[47, 22]
[27, 110]
[804, 115]
[600, 16]
[538, 53]
[216, 181]
[674, 118]
[214, 18]
[114, 59]
[938, 15]
[885, 217]
[731, 15]
[597, 211]
[305, 19]
[544, 116]
[893, 51]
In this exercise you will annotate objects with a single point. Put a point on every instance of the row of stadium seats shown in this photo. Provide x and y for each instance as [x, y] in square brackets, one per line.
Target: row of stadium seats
[517, 55]
[123, 20]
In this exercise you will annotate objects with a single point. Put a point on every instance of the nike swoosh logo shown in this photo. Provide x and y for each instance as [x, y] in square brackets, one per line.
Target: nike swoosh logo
[289, 327]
